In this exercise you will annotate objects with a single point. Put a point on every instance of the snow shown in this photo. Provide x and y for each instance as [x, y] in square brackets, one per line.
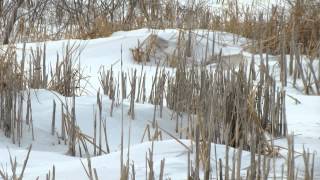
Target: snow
[176, 158]
[303, 119]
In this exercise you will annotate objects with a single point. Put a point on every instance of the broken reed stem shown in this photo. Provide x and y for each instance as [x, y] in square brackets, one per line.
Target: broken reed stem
[53, 124]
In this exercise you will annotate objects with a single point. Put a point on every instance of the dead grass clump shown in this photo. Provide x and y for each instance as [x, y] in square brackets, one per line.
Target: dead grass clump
[139, 55]
[158, 51]
[147, 49]
[67, 76]
[108, 83]
[37, 69]
[101, 27]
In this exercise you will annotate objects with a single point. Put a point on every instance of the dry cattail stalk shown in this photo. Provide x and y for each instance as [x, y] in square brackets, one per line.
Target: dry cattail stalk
[53, 118]
[132, 95]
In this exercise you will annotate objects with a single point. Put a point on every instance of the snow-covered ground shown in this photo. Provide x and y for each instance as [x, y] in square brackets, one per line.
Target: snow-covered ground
[303, 119]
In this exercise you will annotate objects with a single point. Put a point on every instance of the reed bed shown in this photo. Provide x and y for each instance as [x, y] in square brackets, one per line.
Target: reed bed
[12, 83]
[238, 106]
